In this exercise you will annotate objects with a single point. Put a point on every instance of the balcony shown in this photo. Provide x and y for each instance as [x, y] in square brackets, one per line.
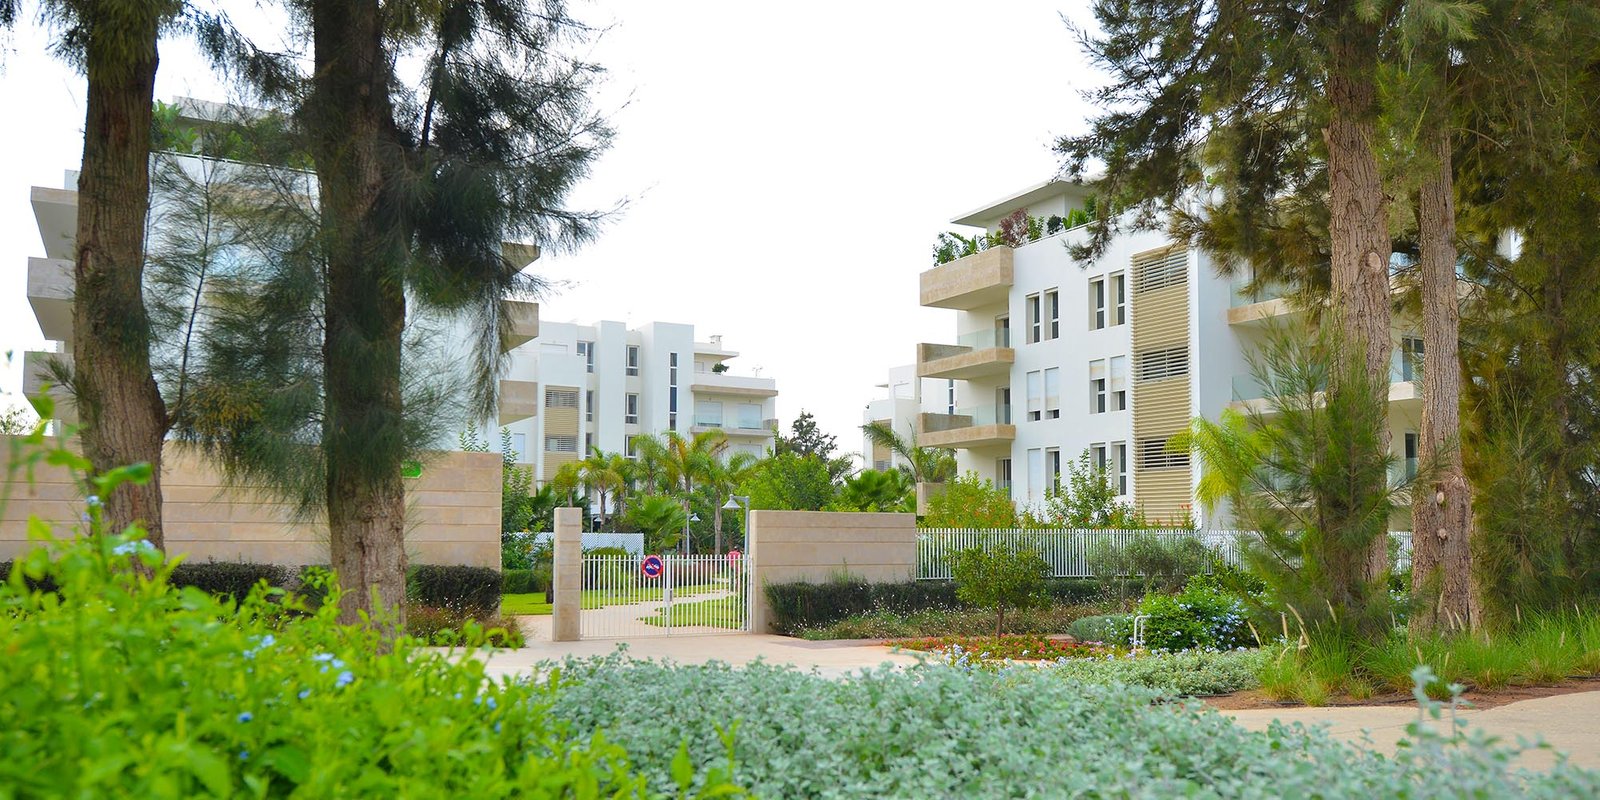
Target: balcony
[981, 279]
[744, 427]
[979, 354]
[56, 212]
[1405, 386]
[519, 400]
[736, 385]
[524, 327]
[36, 376]
[50, 282]
[984, 426]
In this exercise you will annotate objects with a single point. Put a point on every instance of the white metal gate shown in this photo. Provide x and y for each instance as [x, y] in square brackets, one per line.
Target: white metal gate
[628, 596]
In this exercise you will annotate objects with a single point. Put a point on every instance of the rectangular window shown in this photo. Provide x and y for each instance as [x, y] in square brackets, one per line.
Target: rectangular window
[672, 420]
[630, 414]
[1035, 396]
[1097, 304]
[1411, 358]
[1052, 469]
[1155, 365]
[1119, 455]
[950, 396]
[586, 349]
[1153, 455]
[519, 447]
[1052, 307]
[708, 413]
[1002, 474]
[561, 444]
[633, 360]
[1052, 393]
[588, 443]
[1036, 474]
[561, 398]
[1033, 318]
[588, 406]
[1002, 331]
[1002, 405]
[1098, 455]
[750, 416]
[1119, 299]
[1412, 445]
[633, 450]
[1154, 271]
[1119, 383]
[1097, 386]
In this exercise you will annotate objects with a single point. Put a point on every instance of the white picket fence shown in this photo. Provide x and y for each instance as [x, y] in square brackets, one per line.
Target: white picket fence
[626, 597]
[1067, 550]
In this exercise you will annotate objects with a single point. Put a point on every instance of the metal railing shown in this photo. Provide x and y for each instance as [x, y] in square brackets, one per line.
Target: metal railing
[1069, 551]
[631, 596]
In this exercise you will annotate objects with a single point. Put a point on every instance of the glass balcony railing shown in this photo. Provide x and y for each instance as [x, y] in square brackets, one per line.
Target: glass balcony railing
[983, 340]
[986, 415]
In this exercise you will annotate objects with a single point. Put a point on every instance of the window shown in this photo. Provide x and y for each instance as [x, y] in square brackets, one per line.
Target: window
[1159, 270]
[519, 447]
[1052, 468]
[1002, 474]
[750, 416]
[1099, 457]
[1052, 393]
[1153, 455]
[708, 413]
[561, 444]
[950, 396]
[633, 450]
[1097, 304]
[1052, 307]
[561, 398]
[1119, 299]
[630, 415]
[1002, 331]
[1033, 318]
[1119, 383]
[633, 360]
[588, 406]
[586, 349]
[1097, 386]
[672, 391]
[1413, 442]
[1119, 455]
[588, 443]
[1155, 365]
[1410, 358]
[1035, 396]
[1035, 474]
[1002, 405]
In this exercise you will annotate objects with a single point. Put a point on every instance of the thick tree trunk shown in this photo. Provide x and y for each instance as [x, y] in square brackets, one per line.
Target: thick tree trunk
[1441, 510]
[1358, 224]
[123, 418]
[351, 122]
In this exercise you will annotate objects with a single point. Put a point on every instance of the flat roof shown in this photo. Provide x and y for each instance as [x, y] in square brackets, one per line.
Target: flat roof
[981, 216]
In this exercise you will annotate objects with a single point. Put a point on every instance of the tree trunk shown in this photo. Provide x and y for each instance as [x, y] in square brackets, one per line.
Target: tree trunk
[1358, 225]
[1441, 558]
[120, 409]
[716, 527]
[351, 123]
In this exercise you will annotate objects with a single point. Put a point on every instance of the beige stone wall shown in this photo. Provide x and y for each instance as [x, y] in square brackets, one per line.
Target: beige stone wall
[790, 546]
[453, 513]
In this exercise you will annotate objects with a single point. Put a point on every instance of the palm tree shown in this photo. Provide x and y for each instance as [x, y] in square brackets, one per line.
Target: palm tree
[601, 476]
[725, 476]
[921, 464]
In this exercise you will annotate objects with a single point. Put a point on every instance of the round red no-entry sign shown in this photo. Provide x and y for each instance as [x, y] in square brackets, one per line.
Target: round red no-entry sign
[652, 566]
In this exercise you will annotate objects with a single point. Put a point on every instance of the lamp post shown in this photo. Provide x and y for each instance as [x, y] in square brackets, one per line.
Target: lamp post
[738, 502]
[693, 517]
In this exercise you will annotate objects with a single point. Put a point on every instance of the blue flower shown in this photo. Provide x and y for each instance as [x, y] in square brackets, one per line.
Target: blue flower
[492, 704]
[304, 693]
[92, 500]
[322, 657]
[344, 679]
[244, 755]
[245, 716]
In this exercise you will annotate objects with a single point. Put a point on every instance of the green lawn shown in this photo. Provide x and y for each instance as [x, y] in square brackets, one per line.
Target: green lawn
[535, 603]
[722, 612]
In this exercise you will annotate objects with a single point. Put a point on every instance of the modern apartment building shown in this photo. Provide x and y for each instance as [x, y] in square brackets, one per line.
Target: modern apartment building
[578, 387]
[901, 401]
[1053, 357]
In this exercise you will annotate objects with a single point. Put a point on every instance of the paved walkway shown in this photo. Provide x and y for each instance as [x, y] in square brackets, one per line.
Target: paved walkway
[833, 659]
[1569, 723]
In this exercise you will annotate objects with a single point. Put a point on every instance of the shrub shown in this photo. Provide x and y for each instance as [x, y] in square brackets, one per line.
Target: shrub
[809, 606]
[1000, 577]
[448, 627]
[231, 578]
[1053, 619]
[1013, 647]
[454, 586]
[1202, 615]
[1193, 672]
[519, 581]
[1159, 563]
[1107, 628]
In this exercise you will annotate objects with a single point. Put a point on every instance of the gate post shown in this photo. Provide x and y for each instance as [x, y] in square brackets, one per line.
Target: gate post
[567, 579]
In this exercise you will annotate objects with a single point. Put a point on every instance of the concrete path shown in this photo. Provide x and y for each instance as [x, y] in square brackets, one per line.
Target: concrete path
[1570, 723]
[833, 659]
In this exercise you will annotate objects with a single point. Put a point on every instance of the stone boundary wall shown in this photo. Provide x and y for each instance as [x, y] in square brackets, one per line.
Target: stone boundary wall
[453, 513]
[787, 546]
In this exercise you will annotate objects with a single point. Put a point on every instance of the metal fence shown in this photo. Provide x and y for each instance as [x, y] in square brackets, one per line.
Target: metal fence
[632, 596]
[1068, 551]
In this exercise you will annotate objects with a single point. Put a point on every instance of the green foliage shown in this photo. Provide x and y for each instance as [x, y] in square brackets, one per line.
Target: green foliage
[1156, 562]
[934, 731]
[525, 581]
[231, 578]
[454, 626]
[803, 605]
[968, 501]
[874, 490]
[1202, 616]
[519, 507]
[921, 464]
[661, 519]
[806, 439]
[951, 620]
[1106, 628]
[454, 586]
[1088, 499]
[1193, 672]
[790, 482]
[999, 576]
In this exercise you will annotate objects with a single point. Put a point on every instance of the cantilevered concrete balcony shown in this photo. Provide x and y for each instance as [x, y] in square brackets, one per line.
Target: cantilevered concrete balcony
[968, 428]
[36, 376]
[519, 400]
[524, 317]
[979, 355]
[978, 280]
[56, 212]
[50, 294]
[733, 385]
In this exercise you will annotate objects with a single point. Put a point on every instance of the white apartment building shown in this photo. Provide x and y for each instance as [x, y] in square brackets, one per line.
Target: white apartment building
[901, 401]
[579, 387]
[1053, 357]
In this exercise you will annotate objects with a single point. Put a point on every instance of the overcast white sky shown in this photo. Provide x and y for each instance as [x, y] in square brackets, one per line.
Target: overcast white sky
[787, 167]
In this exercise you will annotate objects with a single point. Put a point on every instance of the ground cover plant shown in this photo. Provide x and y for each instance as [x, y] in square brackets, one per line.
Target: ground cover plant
[1057, 618]
[1010, 648]
[1191, 672]
[805, 608]
[1025, 731]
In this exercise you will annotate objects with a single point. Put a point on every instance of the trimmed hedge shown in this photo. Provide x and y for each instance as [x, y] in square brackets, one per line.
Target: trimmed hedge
[455, 586]
[801, 605]
[526, 581]
[232, 578]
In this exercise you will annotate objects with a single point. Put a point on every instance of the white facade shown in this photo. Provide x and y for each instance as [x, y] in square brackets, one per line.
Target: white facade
[599, 385]
[1054, 357]
[901, 399]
